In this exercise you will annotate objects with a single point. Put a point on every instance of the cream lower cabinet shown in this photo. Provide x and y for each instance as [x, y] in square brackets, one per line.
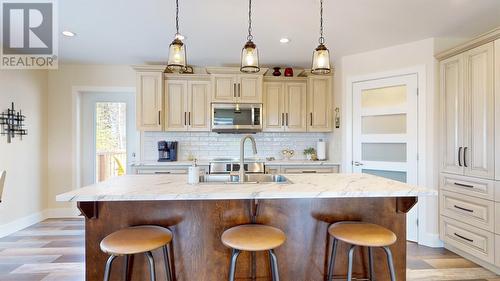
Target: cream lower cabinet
[243, 88]
[149, 100]
[497, 113]
[467, 98]
[285, 107]
[306, 169]
[187, 105]
[319, 104]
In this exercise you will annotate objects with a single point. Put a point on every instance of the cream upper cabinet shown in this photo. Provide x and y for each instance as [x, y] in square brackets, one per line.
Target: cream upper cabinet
[176, 99]
[468, 112]
[187, 105]
[452, 97]
[497, 115]
[199, 105]
[479, 158]
[149, 102]
[244, 88]
[319, 104]
[285, 107]
[274, 107]
[295, 104]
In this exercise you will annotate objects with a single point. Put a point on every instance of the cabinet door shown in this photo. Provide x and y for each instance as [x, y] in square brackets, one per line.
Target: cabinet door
[274, 107]
[480, 112]
[319, 104]
[176, 106]
[295, 103]
[199, 106]
[452, 110]
[224, 88]
[497, 113]
[149, 101]
[249, 88]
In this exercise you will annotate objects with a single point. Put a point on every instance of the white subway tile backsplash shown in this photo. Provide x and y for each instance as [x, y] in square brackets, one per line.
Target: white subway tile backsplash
[205, 145]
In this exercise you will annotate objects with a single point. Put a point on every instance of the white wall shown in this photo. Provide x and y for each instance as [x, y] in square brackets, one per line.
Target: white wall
[414, 54]
[25, 161]
[61, 119]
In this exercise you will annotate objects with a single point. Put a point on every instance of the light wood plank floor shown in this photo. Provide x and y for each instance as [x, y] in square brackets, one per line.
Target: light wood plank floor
[53, 250]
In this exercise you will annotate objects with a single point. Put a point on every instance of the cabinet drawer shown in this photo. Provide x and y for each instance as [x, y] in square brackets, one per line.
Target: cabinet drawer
[474, 211]
[466, 185]
[272, 169]
[497, 217]
[470, 239]
[309, 170]
[497, 250]
[162, 171]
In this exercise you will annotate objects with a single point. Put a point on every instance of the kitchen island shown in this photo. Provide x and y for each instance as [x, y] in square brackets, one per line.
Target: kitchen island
[198, 214]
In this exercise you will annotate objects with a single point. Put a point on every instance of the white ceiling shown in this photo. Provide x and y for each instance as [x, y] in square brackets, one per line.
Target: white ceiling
[139, 31]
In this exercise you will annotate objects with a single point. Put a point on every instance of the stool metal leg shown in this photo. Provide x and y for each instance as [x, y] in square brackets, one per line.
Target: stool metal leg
[276, 275]
[332, 260]
[390, 263]
[125, 267]
[232, 268]
[271, 264]
[370, 259]
[349, 268]
[168, 270]
[151, 262]
[107, 270]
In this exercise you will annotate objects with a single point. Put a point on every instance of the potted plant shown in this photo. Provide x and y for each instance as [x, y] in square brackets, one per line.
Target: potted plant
[310, 153]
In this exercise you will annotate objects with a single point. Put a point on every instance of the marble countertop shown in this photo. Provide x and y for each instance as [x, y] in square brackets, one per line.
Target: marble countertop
[267, 163]
[175, 187]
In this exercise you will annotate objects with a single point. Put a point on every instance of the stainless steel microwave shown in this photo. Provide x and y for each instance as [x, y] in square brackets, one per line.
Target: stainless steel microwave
[236, 118]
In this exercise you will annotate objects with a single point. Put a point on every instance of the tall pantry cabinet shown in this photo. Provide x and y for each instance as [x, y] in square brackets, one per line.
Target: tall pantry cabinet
[469, 184]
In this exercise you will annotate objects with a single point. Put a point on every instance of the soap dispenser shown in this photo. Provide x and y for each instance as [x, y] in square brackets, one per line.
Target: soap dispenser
[194, 173]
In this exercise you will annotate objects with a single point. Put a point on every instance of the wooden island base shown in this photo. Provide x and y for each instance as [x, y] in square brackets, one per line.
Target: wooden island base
[199, 255]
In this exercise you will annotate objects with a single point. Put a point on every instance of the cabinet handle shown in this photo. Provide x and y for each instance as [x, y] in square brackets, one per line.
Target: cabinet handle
[239, 90]
[189, 114]
[465, 160]
[309, 172]
[463, 185]
[234, 90]
[159, 117]
[165, 173]
[286, 119]
[460, 156]
[465, 238]
[463, 209]
[311, 114]
[185, 118]
[282, 119]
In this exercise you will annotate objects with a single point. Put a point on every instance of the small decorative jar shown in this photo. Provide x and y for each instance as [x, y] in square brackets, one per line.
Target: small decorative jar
[289, 72]
[276, 71]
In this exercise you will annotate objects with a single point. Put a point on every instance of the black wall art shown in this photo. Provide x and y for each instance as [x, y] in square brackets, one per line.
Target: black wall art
[12, 124]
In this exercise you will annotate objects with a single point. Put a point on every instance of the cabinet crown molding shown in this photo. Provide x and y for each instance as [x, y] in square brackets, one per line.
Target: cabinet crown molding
[233, 70]
[154, 68]
[482, 39]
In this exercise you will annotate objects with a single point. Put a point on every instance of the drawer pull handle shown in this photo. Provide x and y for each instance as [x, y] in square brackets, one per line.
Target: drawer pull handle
[465, 238]
[309, 172]
[463, 209]
[158, 173]
[463, 185]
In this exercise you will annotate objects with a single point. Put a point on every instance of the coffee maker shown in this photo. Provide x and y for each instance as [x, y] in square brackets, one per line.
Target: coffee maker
[167, 151]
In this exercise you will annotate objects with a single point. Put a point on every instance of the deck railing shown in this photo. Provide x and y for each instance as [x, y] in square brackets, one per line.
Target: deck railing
[110, 164]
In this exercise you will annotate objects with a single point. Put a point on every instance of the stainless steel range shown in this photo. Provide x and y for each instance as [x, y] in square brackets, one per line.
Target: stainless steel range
[228, 165]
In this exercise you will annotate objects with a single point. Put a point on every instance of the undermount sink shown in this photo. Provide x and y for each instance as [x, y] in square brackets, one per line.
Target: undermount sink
[249, 178]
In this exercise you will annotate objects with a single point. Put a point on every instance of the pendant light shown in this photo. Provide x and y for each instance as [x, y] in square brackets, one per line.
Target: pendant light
[177, 49]
[250, 54]
[321, 55]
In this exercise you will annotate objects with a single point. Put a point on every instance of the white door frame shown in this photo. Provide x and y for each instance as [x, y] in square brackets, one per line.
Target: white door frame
[347, 131]
[76, 92]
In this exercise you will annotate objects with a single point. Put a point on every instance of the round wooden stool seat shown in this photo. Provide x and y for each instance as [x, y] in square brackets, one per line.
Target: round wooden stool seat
[136, 240]
[253, 237]
[362, 234]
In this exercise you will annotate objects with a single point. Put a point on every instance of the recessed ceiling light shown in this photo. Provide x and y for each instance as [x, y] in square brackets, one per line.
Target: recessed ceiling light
[284, 40]
[68, 33]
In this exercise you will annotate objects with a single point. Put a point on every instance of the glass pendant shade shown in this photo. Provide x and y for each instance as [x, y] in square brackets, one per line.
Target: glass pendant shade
[250, 58]
[321, 60]
[177, 55]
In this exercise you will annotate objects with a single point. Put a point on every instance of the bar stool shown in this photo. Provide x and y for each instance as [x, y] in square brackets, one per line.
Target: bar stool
[137, 240]
[253, 238]
[363, 235]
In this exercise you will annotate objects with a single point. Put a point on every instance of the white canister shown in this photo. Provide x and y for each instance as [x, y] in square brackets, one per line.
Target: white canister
[321, 150]
[194, 174]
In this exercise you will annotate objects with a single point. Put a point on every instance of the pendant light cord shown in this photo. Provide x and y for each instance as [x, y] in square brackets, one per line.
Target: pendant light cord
[177, 16]
[321, 38]
[249, 37]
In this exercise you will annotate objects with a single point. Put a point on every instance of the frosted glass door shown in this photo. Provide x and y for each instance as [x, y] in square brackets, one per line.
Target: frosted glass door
[385, 129]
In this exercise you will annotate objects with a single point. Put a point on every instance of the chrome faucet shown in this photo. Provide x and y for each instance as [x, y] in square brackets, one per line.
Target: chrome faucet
[242, 155]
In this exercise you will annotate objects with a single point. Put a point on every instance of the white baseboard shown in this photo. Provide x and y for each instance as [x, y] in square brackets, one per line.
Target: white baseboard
[472, 258]
[24, 222]
[430, 240]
